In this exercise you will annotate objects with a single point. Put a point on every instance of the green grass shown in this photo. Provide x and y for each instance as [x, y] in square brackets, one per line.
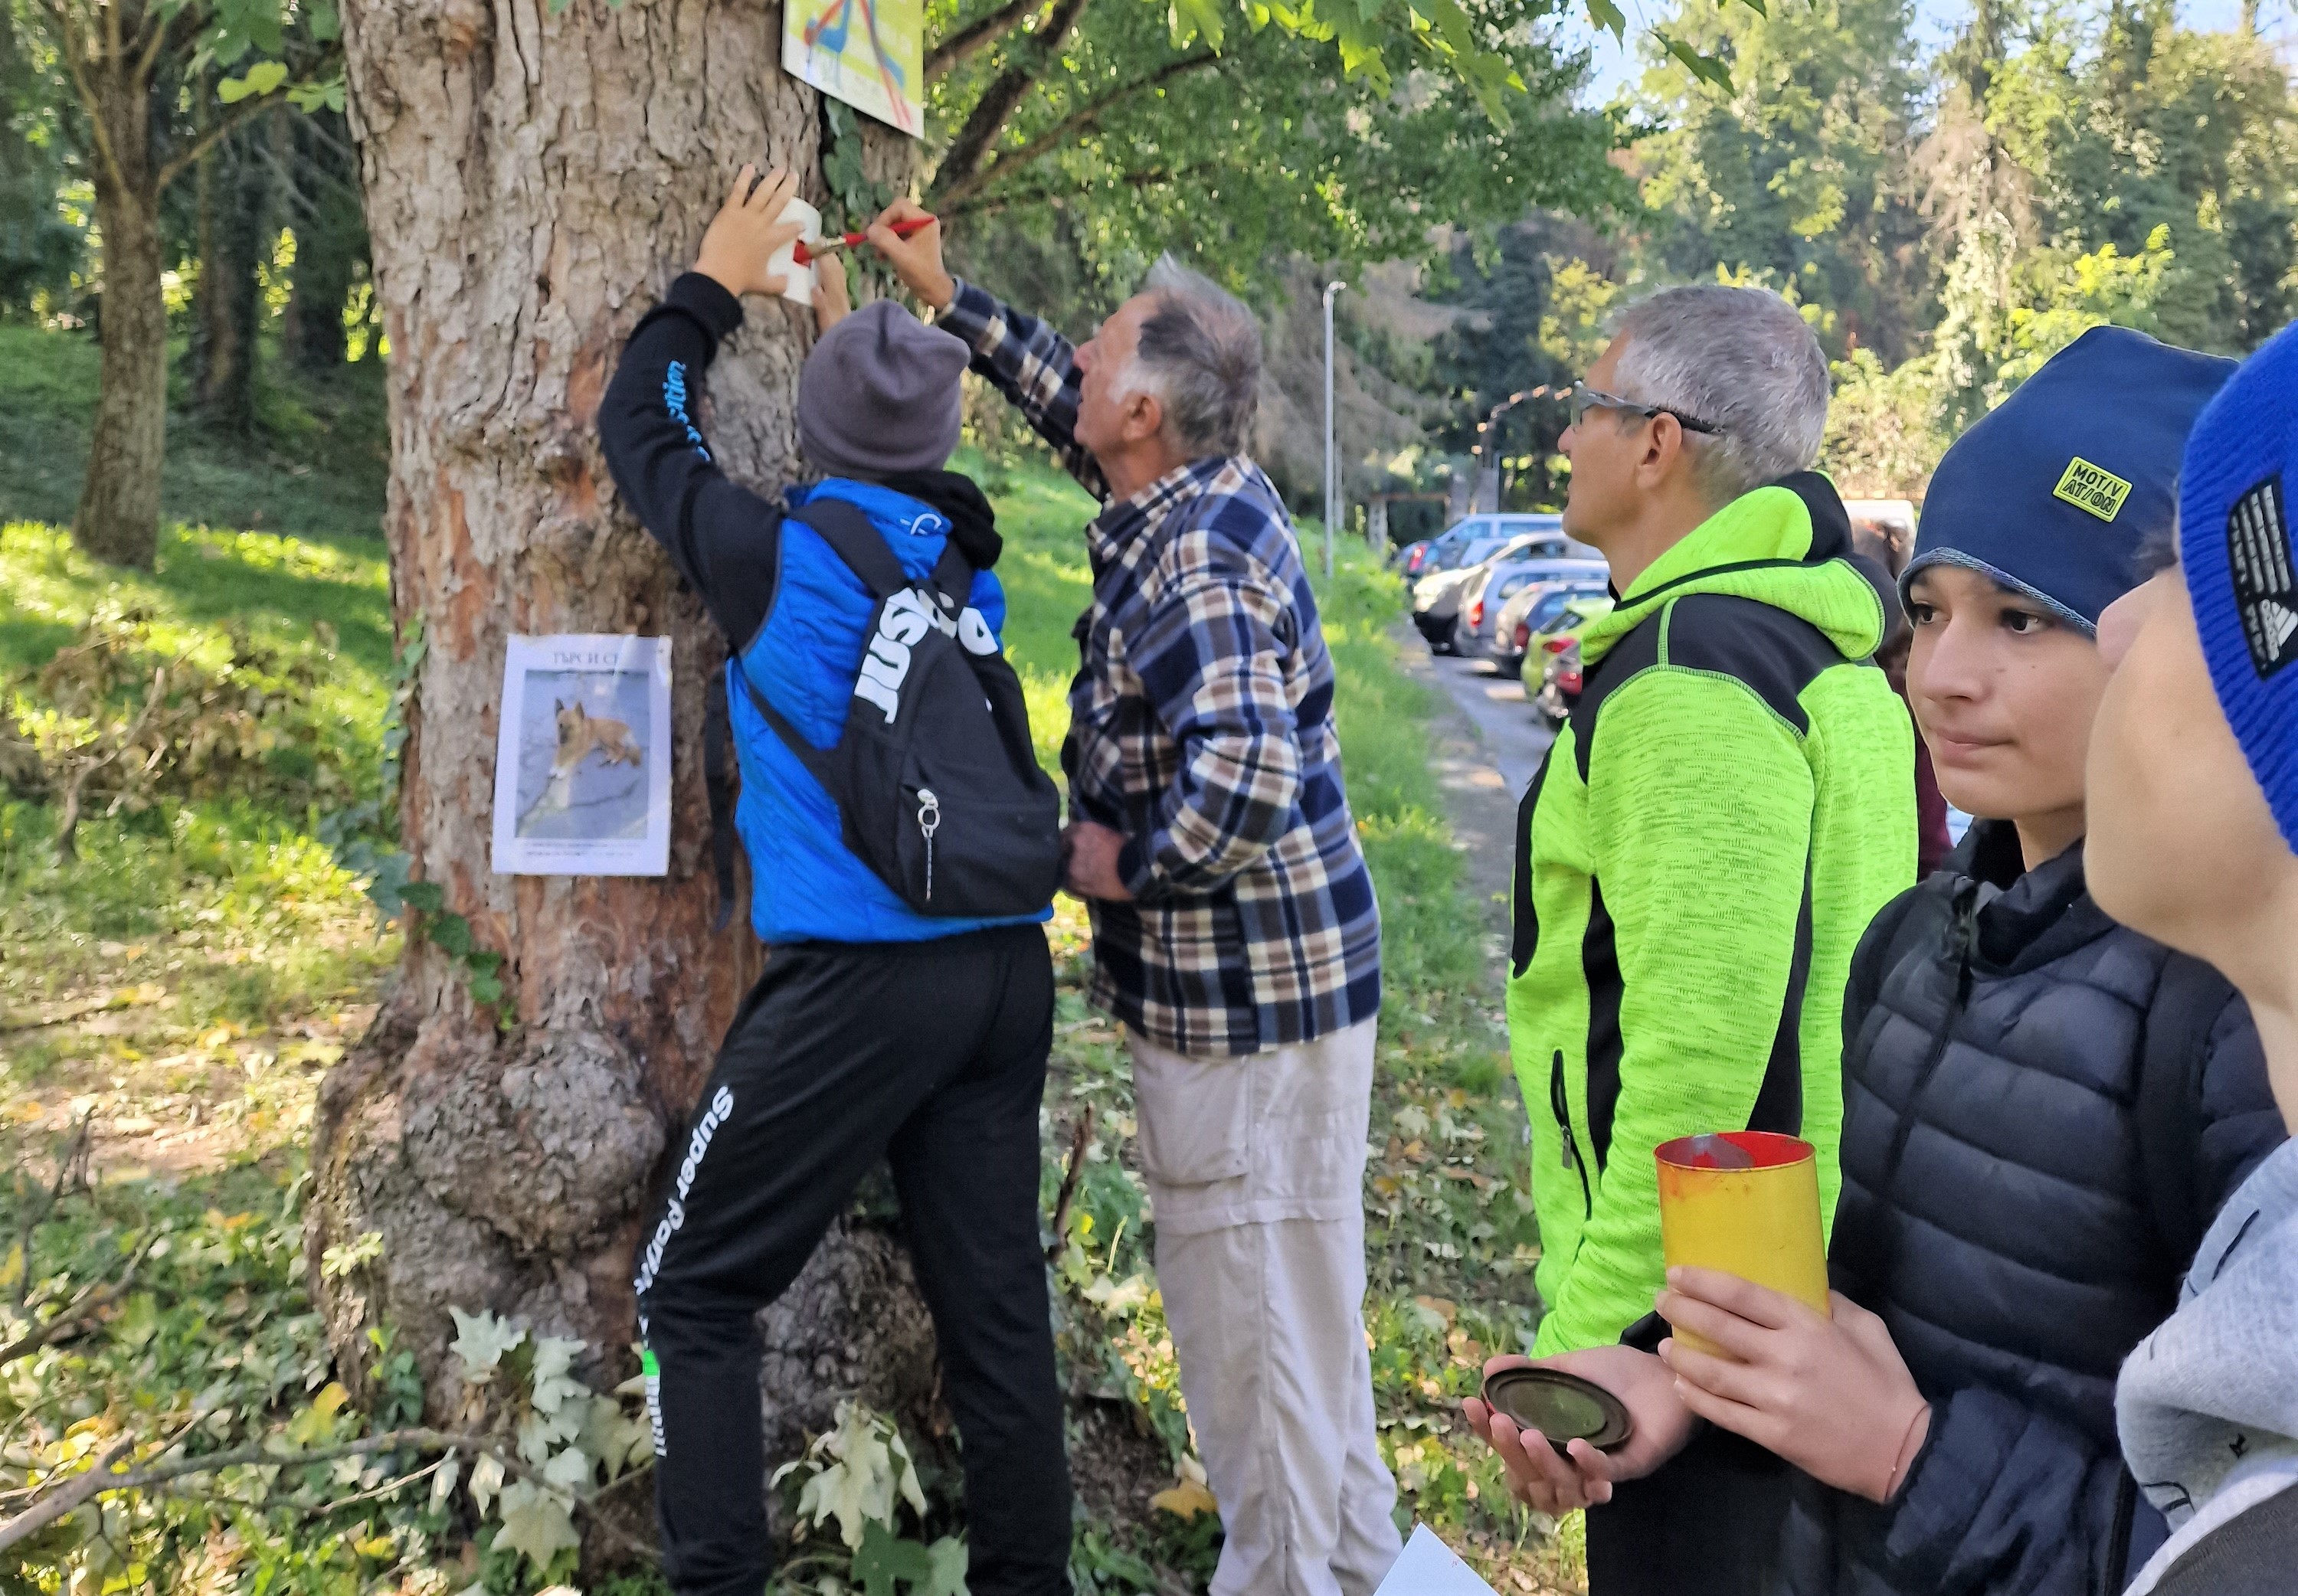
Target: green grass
[190, 976]
[316, 467]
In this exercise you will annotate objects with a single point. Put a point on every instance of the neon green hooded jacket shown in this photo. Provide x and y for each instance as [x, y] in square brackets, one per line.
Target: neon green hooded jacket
[1731, 802]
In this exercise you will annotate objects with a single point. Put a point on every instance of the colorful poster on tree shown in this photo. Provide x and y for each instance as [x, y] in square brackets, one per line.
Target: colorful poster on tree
[871, 54]
[583, 757]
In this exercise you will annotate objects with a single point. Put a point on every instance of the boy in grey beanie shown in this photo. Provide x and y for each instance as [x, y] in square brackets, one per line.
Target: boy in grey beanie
[880, 1034]
[879, 395]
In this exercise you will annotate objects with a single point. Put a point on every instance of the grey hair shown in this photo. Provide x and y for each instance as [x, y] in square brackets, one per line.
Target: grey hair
[1200, 354]
[1740, 358]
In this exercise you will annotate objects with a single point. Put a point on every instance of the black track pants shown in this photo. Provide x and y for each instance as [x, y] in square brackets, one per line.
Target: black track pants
[931, 1054]
[1705, 1523]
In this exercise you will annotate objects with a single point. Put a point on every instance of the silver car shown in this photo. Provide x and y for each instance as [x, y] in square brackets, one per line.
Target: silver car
[1481, 601]
[1533, 606]
[1438, 595]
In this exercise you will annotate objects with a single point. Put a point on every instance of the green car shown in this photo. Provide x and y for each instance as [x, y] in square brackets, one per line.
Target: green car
[1555, 646]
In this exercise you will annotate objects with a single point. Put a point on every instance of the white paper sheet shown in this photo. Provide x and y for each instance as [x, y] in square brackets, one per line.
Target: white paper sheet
[797, 281]
[583, 757]
[1429, 1568]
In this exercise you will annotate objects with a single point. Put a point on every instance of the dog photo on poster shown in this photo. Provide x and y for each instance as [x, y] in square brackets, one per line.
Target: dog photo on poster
[582, 758]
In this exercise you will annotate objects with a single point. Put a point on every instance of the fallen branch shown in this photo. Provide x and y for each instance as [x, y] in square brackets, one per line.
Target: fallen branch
[1080, 1138]
[74, 1157]
[91, 1300]
[68, 827]
[99, 1481]
[42, 1514]
[9, 1027]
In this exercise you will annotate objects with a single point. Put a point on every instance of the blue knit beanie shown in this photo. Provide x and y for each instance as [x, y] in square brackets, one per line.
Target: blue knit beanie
[2053, 491]
[2234, 541]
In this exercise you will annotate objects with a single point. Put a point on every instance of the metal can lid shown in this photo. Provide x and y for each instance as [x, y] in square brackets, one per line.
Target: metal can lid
[1562, 1407]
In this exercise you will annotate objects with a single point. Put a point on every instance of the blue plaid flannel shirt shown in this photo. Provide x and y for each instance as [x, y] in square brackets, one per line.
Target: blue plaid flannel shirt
[1201, 727]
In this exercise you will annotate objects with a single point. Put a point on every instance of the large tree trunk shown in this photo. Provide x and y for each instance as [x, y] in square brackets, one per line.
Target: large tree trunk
[119, 516]
[533, 182]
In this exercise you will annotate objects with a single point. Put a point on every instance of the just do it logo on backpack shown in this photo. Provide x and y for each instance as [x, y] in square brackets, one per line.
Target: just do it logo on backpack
[937, 781]
[902, 622]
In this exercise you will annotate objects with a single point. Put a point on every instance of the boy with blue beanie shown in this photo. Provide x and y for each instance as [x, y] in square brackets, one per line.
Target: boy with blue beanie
[2041, 1108]
[2051, 494]
[876, 1031]
[2197, 741]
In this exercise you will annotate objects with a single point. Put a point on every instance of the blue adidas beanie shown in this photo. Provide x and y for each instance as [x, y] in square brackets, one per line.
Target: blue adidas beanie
[2052, 492]
[2234, 541]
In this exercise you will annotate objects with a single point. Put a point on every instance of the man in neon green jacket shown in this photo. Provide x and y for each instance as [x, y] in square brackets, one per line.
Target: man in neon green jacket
[1730, 803]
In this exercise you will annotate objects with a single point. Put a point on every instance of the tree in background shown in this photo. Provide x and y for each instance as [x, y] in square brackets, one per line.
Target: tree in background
[1263, 150]
[134, 67]
[2078, 166]
[1528, 309]
[1800, 175]
[39, 249]
[237, 224]
[2122, 123]
[331, 245]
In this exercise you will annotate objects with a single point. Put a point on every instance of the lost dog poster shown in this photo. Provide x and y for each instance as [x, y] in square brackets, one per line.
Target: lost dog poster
[582, 758]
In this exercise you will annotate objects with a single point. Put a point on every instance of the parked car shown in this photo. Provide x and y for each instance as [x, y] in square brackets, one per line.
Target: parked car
[1469, 540]
[1529, 610]
[1481, 602]
[1436, 596]
[1559, 645]
[1450, 569]
[1408, 558]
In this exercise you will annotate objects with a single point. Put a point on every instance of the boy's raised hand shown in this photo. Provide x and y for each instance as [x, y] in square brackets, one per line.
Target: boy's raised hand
[1830, 1395]
[747, 231]
[1559, 1483]
[917, 259]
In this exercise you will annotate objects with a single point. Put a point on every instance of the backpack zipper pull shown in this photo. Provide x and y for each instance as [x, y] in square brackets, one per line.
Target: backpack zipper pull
[929, 822]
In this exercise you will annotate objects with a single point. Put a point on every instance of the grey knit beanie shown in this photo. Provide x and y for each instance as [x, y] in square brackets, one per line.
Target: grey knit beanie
[879, 395]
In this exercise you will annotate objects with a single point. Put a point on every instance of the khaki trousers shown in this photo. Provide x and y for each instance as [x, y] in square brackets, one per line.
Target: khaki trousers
[1255, 1168]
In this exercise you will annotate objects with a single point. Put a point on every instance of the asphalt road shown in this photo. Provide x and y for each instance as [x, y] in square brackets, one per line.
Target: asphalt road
[1514, 736]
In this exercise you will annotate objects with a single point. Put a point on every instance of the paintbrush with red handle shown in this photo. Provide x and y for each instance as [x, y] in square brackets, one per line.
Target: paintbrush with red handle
[804, 253]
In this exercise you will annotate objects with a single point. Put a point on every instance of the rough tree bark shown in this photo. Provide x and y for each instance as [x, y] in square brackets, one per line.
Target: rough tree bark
[118, 520]
[533, 182]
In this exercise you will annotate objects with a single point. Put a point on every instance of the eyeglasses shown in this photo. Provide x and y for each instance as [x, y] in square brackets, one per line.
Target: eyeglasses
[1586, 399]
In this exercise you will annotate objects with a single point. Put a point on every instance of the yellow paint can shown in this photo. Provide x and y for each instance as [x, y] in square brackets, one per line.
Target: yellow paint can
[1746, 1202]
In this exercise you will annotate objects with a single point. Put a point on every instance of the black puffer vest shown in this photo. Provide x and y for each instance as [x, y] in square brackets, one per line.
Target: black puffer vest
[2041, 1109]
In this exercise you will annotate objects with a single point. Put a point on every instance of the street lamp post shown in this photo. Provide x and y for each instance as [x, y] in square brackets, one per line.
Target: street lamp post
[1332, 472]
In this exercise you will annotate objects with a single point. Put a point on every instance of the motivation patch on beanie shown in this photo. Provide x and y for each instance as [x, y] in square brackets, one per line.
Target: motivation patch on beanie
[2051, 494]
[2242, 572]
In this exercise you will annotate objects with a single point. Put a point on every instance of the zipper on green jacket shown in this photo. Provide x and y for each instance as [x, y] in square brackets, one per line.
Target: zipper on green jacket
[1562, 1106]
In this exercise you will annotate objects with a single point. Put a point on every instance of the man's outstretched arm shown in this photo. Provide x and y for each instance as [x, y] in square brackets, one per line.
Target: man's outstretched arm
[1024, 359]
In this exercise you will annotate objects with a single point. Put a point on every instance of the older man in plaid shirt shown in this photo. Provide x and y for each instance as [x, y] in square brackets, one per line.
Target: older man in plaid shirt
[1234, 927]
